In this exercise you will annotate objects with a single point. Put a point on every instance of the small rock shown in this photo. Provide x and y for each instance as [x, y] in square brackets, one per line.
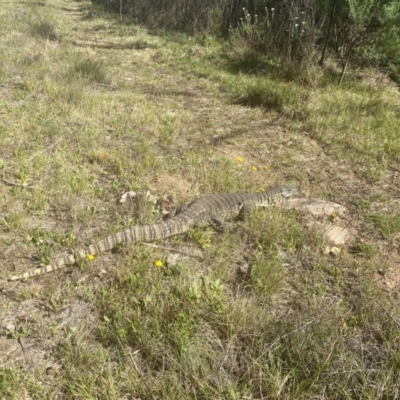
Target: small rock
[10, 327]
[127, 195]
[150, 197]
[335, 251]
[326, 251]
[244, 268]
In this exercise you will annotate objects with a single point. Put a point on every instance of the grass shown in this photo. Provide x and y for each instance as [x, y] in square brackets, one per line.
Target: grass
[313, 102]
[44, 29]
[385, 224]
[84, 67]
[256, 311]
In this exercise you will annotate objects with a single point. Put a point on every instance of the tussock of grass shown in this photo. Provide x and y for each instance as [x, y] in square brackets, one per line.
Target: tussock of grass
[283, 98]
[88, 68]
[44, 29]
[385, 224]
[365, 249]
[237, 58]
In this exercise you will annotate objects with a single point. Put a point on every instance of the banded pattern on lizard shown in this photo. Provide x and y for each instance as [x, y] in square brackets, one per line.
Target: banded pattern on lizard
[210, 209]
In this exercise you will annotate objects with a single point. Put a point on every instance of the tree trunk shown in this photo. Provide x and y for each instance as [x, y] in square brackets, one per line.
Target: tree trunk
[321, 61]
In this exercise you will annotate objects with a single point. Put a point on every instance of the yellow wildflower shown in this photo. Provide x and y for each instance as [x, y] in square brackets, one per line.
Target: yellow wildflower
[240, 159]
[158, 263]
[90, 257]
[254, 168]
[265, 167]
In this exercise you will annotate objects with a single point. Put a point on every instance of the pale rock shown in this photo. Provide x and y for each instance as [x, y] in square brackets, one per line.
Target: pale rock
[316, 207]
[333, 234]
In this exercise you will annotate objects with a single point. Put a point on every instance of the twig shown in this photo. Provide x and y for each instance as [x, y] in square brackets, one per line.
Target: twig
[295, 330]
[72, 123]
[27, 185]
[173, 250]
[104, 85]
[23, 350]
[10, 183]
[45, 149]
[141, 375]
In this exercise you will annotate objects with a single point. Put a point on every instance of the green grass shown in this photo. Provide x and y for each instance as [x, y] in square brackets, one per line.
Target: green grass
[312, 102]
[92, 70]
[385, 224]
[43, 28]
[256, 311]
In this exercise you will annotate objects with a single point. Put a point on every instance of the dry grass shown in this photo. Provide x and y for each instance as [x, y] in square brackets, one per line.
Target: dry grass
[255, 312]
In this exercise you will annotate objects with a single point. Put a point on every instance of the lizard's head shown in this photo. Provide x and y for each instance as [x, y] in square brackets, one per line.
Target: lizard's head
[287, 191]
